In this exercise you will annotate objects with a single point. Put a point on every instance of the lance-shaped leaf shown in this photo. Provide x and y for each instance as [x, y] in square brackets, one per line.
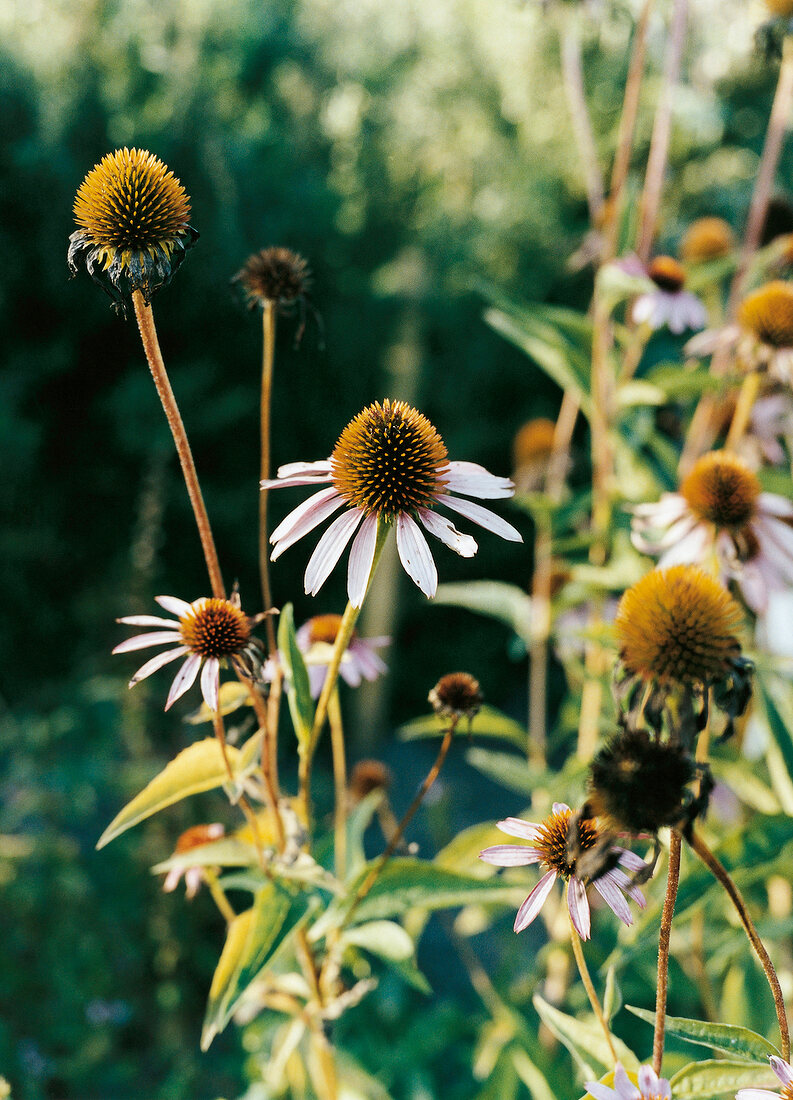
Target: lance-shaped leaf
[252, 940]
[489, 722]
[740, 1042]
[200, 767]
[496, 599]
[298, 690]
[585, 1040]
[712, 1080]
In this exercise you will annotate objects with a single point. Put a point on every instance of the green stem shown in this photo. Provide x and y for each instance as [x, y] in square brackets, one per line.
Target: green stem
[583, 970]
[219, 898]
[340, 785]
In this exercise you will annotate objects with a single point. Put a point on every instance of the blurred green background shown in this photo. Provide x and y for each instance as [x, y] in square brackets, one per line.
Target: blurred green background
[414, 153]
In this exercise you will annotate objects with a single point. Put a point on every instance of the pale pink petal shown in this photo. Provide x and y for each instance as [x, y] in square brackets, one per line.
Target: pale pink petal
[210, 682]
[370, 664]
[415, 555]
[613, 897]
[756, 1094]
[516, 826]
[177, 607]
[359, 566]
[754, 588]
[349, 671]
[157, 662]
[775, 505]
[691, 549]
[141, 641]
[626, 884]
[172, 879]
[600, 1092]
[579, 907]
[193, 877]
[685, 311]
[330, 548]
[648, 1081]
[482, 516]
[560, 808]
[624, 1087]
[147, 620]
[630, 860]
[299, 473]
[670, 507]
[184, 679]
[534, 902]
[303, 519]
[670, 537]
[445, 530]
[475, 481]
[782, 1069]
[291, 469]
[510, 855]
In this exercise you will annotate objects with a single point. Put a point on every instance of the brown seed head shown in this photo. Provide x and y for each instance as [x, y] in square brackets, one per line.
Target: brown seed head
[368, 776]
[768, 314]
[386, 460]
[274, 275]
[707, 239]
[678, 626]
[722, 489]
[215, 628]
[456, 695]
[667, 273]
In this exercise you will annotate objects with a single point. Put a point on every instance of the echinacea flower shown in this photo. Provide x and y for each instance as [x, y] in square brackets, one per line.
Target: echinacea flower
[721, 510]
[389, 463]
[707, 239]
[651, 1086]
[315, 639]
[274, 275]
[196, 837]
[784, 1072]
[133, 235]
[208, 631]
[761, 338]
[551, 844]
[668, 304]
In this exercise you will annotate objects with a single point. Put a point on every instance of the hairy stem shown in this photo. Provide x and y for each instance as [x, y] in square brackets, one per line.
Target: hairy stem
[151, 347]
[268, 358]
[723, 876]
[664, 934]
[583, 970]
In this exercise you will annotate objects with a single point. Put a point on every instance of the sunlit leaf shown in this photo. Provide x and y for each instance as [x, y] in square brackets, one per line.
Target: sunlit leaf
[498, 600]
[534, 1080]
[227, 852]
[489, 722]
[298, 691]
[740, 1042]
[584, 1039]
[231, 697]
[711, 1080]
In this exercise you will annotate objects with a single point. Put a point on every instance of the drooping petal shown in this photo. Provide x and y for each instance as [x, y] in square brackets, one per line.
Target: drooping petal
[613, 897]
[177, 607]
[415, 555]
[628, 886]
[443, 529]
[473, 480]
[670, 507]
[184, 679]
[141, 641]
[692, 548]
[482, 516]
[359, 566]
[147, 620]
[579, 907]
[510, 855]
[330, 548]
[299, 473]
[157, 662]
[210, 682]
[630, 860]
[303, 519]
[516, 826]
[649, 1082]
[369, 664]
[534, 902]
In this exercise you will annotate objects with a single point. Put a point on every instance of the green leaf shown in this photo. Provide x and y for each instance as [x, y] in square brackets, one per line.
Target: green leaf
[298, 691]
[612, 997]
[384, 938]
[252, 940]
[498, 600]
[200, 767]
[501, 1084]
[489, 722]
[779, 711]
[585, 1040]
[505, 768]
[358, 821]
[740, 1042]
[531, 1076]
[227, 852]
[710, 1080]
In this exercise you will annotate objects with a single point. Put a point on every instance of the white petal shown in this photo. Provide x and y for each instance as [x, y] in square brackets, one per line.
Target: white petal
[177, 607]
[330, 548]
[184, 679]
[579, 907]
[210, 682]
[775, 505]
[560, 808]
[141, 641]
[359, 566]
[157, 662]
[782, 1069]
[648, 1081]
[644, 309]
[483, 516]
[299, 473]
[148, 620]
[445, 530]
[516, 826]
[600, 1092]
[293, 469]
[670, 507]
[613, 897]
[303, 519]
[475, 481]
[692, 548]
[534, 902]
[756, 1094]
[415, 555]
[510, 855]
[626, 1090]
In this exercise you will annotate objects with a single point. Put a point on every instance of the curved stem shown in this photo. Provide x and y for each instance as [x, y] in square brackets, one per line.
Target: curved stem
[668, 911]
[340, 785]
[218, 896]
[721, 873]
[151, 347]
[583, 970]
[268, 358]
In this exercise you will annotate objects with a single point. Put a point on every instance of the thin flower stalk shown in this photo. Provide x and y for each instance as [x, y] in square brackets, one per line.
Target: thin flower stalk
[594, 1000]
[750, 388]
[242, 801]
[573, 77]
[664, 935]
[268, 358]
[720, 872]
[340, 785]
[151, 347]
[218, 896]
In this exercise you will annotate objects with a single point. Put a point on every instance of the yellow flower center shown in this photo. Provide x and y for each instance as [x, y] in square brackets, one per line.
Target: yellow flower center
[707, 239]
[678, 625]
[130, 201]
[768, 314]
[787, 1090]
[722, 490]
[553, 841]
[324, 628]
[387, 459]
[533, 441]
[667, 273]
[785, 9]
[215, 628]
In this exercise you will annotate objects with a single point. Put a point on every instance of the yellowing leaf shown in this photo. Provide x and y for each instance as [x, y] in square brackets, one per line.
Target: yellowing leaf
[231, 697]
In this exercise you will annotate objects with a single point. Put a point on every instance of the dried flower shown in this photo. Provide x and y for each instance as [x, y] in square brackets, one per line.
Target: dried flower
[196, 837]
[389, 463]
[133, 235]
[707, 239]
[551, 843]
[456, 695]
[368, 776]
[274, 275]
[651, 1086]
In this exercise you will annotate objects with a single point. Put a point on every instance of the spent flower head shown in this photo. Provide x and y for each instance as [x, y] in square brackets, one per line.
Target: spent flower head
[784, 1074]
[650, 1087]
[557, 843]
[274, 275]
[456, 695]
[134, 234]
[390, 465]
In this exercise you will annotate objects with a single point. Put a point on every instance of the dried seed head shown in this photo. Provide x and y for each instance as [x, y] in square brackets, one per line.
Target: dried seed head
[768, 314]
[274, 275]
[456, 695]
[215, 628]
[678, 626]
[368, 776]
[722, 489]
[707, 239]
[667, 273]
